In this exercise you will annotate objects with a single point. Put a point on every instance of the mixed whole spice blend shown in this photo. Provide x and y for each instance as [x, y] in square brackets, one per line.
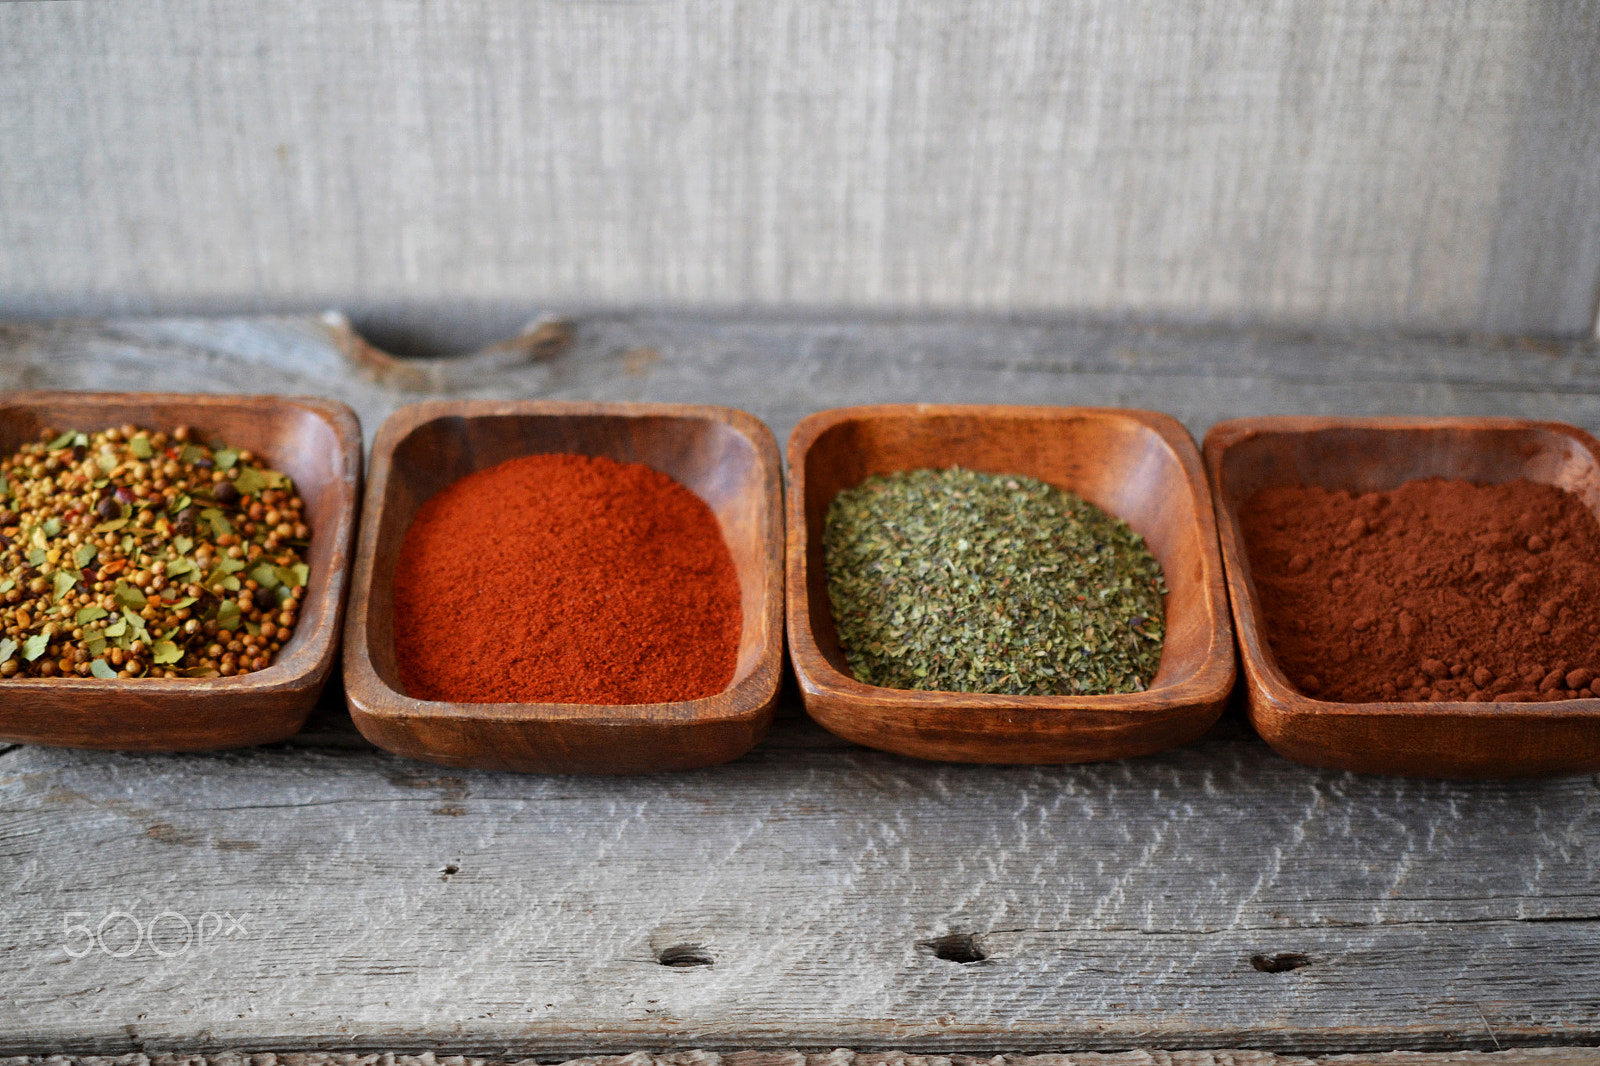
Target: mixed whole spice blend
[128, 553]
[1437, 590]
[566, 579]
[960, 581]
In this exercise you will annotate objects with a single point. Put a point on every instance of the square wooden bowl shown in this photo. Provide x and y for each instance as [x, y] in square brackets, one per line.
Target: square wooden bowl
[318, 444]
[1140, 466]
[726, 457]
[1377, 454]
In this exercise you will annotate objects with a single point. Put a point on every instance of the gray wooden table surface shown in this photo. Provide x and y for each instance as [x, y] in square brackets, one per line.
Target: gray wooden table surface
[324, 895]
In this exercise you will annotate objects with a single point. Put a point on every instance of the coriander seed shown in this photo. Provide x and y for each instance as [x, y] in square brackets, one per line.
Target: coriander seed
[109, 565]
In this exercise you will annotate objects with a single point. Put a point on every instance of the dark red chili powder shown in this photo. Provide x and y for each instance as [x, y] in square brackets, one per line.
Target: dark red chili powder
[1438, 590]
[565, 579]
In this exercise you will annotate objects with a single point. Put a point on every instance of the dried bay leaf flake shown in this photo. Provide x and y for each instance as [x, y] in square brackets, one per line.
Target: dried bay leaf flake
[958, 581]
[250, 481]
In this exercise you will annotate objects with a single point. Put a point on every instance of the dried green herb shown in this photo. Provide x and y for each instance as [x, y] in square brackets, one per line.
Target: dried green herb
[958, 581]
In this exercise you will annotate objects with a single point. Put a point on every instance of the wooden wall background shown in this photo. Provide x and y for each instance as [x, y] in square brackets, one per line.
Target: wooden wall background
[1404, 164]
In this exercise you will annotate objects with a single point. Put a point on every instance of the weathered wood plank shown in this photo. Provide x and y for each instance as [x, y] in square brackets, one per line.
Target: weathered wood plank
[782, 368]
[387, 904]
[843, 1057]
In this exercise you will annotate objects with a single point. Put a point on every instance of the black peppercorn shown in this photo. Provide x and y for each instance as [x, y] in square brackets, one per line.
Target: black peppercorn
[266, 599]
[107, 508]
[225, 493]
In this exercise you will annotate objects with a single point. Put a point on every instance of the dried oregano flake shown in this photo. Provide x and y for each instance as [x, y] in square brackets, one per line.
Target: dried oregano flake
[958, 581]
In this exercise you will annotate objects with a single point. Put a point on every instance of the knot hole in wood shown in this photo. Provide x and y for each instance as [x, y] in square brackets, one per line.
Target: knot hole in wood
[956, 947]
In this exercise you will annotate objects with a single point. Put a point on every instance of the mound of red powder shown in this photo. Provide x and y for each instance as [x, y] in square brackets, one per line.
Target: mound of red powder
[565, 579]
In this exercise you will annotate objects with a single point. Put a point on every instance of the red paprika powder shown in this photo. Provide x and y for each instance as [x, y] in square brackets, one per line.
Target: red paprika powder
[1438, 590]
[565, 579]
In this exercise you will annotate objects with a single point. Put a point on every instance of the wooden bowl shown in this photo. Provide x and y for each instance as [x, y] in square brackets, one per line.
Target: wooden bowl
[1140, 466]
[728, 458]
[318, 444]
[1375, 454]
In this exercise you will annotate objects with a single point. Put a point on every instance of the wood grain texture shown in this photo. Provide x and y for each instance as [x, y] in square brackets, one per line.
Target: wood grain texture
[386, 903]
[1120, 905]
[1496, 739]
[1140, 466]
[1325, 162]
[845, 1057]
[318, 444]
[782, 368]
[726, 457]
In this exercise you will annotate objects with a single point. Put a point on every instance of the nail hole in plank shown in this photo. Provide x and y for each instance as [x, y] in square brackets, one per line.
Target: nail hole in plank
[1281, 963]
[682, 956]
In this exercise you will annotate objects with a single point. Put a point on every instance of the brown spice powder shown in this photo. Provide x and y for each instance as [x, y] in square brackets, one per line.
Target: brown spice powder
[1438, 590]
